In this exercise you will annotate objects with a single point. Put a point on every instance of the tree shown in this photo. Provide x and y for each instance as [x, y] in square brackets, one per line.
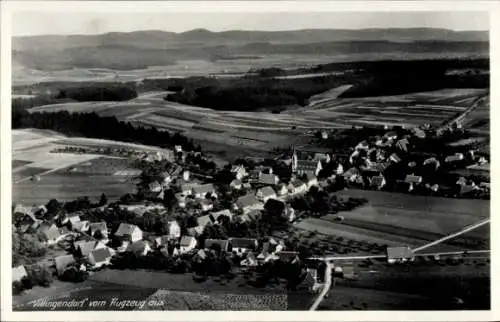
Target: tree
[104, 200]
[53, 206]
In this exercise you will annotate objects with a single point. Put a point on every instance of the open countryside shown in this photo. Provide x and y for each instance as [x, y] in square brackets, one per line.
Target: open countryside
[223, 174]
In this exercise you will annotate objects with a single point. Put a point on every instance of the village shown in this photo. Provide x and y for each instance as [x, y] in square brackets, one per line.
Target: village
[189, 216]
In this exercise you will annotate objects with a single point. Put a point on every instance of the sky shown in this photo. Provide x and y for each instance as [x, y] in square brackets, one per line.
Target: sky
[39, 23]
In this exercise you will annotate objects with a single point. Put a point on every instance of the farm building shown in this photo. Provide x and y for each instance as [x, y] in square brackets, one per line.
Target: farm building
[206, 205]
[187, 244]
[202, 190]
[100, 257]
[243, 245]
[454, 158]
[225, 212]
[265, 194]
[281, 190]
[395, 158]
[250, 260]
[51, 234]
[18, 273]
[81, 226]
[297, 186]
[268, 179]
[99, 226]
[238, 171]
[399, 254]
[62, 262]
[377, 182]
[310, 180]
[288, 256]
[217, 244]
[236, 184]
[83, 248]
[128, 232]
[403, 145]
[139, 248]
[248, 202]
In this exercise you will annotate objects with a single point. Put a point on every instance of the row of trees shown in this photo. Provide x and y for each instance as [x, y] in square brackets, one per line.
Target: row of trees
[77, 124]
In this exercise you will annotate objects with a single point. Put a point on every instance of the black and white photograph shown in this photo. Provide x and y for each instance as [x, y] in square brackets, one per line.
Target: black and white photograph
[239, 160]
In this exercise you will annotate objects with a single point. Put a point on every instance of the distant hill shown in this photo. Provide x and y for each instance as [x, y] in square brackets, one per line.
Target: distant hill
[140, 49]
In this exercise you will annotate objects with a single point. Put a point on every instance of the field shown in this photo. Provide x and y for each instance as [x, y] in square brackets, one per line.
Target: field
[395, 219]
[66, 176]
[259, 132]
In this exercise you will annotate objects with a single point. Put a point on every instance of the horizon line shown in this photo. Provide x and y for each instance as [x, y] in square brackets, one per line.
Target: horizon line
[246, 30]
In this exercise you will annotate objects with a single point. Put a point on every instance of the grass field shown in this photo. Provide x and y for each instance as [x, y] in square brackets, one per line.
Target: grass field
[262, 130]
[66, 176]
[402, 219]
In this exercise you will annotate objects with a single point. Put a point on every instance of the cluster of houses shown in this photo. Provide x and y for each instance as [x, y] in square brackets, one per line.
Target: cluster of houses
[370, 161]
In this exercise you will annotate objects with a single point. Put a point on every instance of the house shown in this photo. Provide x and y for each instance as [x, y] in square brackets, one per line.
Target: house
[363, 145]
[195, 231]
[18, 273]
[100, 257]
[412, 180]
[310, 180]
[418, 133]
[139, 248]
[322, 157]
[281, 190]
[434, 187]
[206, 205]
[219, 214]
[324, 135]
[167, 179]
[155, 187]
[268, 179]
[217, 244]
[432, 162]
[288, 256]
[296, 186]
[62, 262]
[178, 148]
[403, 145]
[187, 244]
[250, 260]
[202, 190]
[305, 166]
[174, 230]
[339, 169]
[262, 169]
[200, 256]
[310, 281]
[391, 135]
[243, 245]
[186, 175]
[351, 175]
[236, 184]
[238, 171]
[485, 186]
[289, 213]
[99, 227]
[129, 233]
[399, 254]
[83, 248]
[186, 189]
[468, 188]
[461, 181]
[377, 182]
[81, 226]
[248, 202]
[395, 158]
[51, 234]
[265, 194]
[162, 241]
[454, 158]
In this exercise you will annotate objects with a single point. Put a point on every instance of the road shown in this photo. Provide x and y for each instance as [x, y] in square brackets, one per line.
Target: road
[326, 287]
[456, 234]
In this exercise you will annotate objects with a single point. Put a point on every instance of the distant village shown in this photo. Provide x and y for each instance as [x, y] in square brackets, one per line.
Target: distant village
[187, 215]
